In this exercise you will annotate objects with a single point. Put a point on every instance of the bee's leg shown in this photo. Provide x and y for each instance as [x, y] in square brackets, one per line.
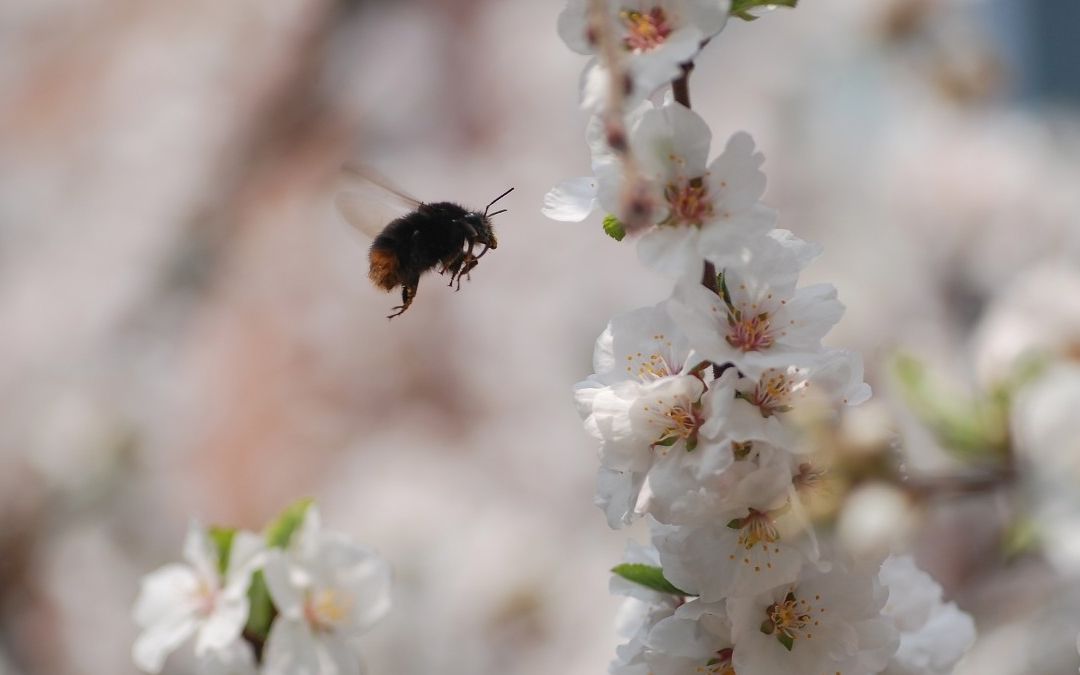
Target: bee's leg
[454, 266]
[471, 237]
[408, 293]
[472, 262]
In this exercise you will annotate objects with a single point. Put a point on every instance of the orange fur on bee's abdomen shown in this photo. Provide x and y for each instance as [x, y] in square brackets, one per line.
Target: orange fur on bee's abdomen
[384, 268]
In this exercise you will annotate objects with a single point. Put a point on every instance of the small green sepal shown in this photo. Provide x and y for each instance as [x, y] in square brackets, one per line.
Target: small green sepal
[614, 228]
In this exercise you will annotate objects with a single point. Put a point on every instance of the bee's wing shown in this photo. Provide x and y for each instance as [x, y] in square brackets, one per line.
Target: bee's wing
[368, 202]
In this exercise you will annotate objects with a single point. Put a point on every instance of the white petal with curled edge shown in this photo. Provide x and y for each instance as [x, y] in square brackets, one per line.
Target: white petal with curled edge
[235, 658]
[672, 251]
[201, 553]
[286, 595]
[158, 640]
[223, 626]
[291, 649]
[571, 200]
[162, 591]
[337, 658]
[360, 573]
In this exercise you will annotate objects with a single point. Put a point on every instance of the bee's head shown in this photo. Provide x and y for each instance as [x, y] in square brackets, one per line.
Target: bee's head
[482, 222]
[482, 225]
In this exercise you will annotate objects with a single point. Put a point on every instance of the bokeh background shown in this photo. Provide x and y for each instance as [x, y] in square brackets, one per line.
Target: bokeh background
[187, 330]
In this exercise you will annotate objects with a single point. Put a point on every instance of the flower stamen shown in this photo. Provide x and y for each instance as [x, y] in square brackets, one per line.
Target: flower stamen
[326, 608]
[689, 204]
[647, 30]
[789, 620]
[749, 333]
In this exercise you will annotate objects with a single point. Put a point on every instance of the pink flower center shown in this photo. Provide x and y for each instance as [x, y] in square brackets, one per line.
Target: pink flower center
[206, 596]
[749, 333]
[647, 30]
[689, 204]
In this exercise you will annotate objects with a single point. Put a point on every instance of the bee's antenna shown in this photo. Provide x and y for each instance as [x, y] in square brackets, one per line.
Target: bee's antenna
[492, 215]
[495, 200]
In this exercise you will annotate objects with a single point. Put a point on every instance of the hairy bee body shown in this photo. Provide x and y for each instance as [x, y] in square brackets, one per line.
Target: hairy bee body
[441, 234]
[416, 242]
[419, 236]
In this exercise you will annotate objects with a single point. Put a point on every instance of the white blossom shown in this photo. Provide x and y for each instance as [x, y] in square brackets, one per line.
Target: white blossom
[639, 612]
[762, 321]
[753, 541]
[765, 404]
[646, 405]
[237, 658]
[933, 634]
[824, 622]
[328, 592]
[695, 639]
[180, 600]
[656, 36]
[701, 205]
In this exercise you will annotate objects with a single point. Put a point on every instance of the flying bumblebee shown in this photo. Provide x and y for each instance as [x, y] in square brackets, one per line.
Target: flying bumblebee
[419, 236]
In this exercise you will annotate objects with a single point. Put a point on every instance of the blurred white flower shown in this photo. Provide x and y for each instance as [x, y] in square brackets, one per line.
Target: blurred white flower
[876, 518]
[657, 36]
[236, 658]
[1036, 314]
[328, 591]
[826, 622]
[933, 634]
[181, 600]
[1046, 434]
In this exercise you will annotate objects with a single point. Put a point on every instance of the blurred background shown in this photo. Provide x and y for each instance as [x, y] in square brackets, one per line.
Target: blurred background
[187, 328]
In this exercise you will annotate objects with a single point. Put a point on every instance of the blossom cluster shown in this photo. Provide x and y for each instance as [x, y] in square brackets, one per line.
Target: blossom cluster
[293, 602]
[697, 404]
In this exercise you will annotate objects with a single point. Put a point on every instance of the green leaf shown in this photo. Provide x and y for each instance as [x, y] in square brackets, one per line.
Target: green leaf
[222, 538]
[280, 532]
[786, 640]
[741, 8]
[972, 427]
[262, 611]
[614, 228]
[667, 442]
[649, 576]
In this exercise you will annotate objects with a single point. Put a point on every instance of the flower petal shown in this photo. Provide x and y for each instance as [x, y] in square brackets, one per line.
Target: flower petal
[159, 639]
[291, 649]
[571, 200]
